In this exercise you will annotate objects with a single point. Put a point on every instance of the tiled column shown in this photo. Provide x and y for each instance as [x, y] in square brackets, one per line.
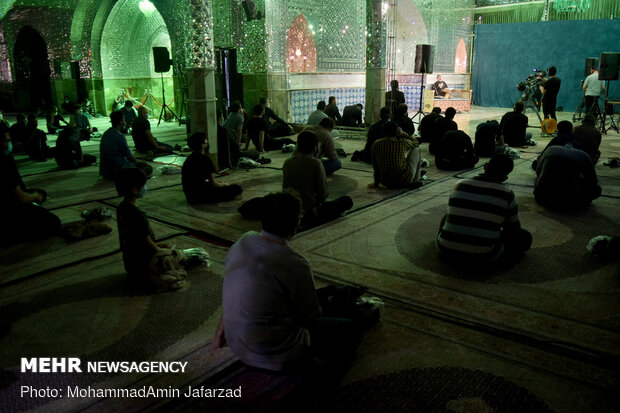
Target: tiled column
[375, 59]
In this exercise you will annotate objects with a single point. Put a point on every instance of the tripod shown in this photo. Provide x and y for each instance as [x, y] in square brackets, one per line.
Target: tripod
[420, 112]
[164, 106]
[613, 124]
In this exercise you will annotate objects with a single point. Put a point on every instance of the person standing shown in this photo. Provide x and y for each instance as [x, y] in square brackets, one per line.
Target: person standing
[394, 97]
[592, 88]
[550, 90]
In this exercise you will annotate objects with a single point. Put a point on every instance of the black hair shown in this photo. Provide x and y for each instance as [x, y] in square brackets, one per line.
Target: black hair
[499, 166]
[360, 105]
[196, 140]
[401, 109]
[331, 99]
[519, 107]
[306, 142]
[263, 101]
[394, 84]
[552, 71]
[116, 118]
[390, 129]
[128, 103]
[436, 110]
[258, 110]
[565, 127]
[321, 105]
[234, 108]
[589, 119]
[385, 112]
[327, 123]
[280, 213]
[127, 179]
[450, 112]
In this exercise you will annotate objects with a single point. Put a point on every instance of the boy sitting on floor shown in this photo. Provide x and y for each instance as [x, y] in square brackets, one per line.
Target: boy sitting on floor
[149, 265]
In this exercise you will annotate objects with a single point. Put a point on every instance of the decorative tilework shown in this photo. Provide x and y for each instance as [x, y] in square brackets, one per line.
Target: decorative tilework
[303, 102]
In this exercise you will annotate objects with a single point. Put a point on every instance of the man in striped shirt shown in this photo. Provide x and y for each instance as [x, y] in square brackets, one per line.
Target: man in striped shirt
[396, 159]
[482, 223]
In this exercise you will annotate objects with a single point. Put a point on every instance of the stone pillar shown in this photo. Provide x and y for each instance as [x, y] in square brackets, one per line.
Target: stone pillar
[375, 59]
[201, 76]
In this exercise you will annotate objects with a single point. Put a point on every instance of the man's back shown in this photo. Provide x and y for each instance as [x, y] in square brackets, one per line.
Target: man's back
[352, 116]
[593, 85]
[389, 161]
[393, 98]
[306, 175]
[589, 138]
[138, 133]
[316, 117]
[375, 132]
[332, 111]
[514, 126]
[113, 152]
[326, 143]
[440, 127]
[427, 126]
[552, 87]
[268, 295]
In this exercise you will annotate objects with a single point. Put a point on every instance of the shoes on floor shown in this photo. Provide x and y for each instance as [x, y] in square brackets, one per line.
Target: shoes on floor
[424, 163]
[263, 161]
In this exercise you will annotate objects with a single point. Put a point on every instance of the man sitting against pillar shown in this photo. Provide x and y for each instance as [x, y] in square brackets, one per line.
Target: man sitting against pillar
[318, 115]
[352, 116]
[258, 133]
[278, 128]
[396, 159]
[271, 317]
[375, 132]
[143, 137]
[327, 150]
[23, 217]
[332, 111]
[305, 174]
[442, 125]
[482, 224]
[228, 150]
[234, 121]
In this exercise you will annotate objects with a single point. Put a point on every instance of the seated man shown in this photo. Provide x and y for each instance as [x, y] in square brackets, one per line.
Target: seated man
[375, 132]
[565, 136]
[80, 121]
[198, 175]
[278, 127]
[401, 117]
[142, 256]
[130, 115]
[143, 137]
[514, 128]
[305, 174]
[332, 111]
[440, 127]
[318, 115]
[394, 97]
[234, 121]
[589, 137]
[482, 224]
[566, 178]
[327, 150]
[352, 116]
[68, 152]
[114, 152]
[53, 120]
[440, 87]
[19, 133]
[24, 218]
[455, 152]
[426, 126]
[67, 106]
[271, 316]
[36, 146]
[396, 159]
[258, 133]
[228, 150]
[489, 140]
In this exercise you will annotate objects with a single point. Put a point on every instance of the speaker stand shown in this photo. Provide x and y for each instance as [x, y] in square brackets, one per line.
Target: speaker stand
[420, 112]
[164, 105]
[613, 124]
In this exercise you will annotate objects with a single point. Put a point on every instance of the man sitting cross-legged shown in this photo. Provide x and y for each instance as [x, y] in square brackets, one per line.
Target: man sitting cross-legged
[143, 137]
[271, 317]
[375, 132]
[305, 174]
[327, 150]
[482, 224]
[396, 159]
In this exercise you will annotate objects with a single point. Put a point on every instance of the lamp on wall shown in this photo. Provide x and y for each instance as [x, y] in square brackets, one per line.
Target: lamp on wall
[571, 5]
[146, 7]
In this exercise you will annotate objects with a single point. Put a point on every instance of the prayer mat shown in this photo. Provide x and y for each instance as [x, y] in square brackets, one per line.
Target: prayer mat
[393, 253]
[34, 257]
[86, 310]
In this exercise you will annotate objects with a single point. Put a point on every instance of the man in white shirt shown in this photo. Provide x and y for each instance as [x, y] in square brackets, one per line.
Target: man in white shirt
[318, 115]
[592, 88]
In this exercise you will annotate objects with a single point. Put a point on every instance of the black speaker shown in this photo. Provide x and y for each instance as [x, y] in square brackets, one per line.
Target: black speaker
[161, 59]
[608, 66]
[424, 58]
[591, 63]
[250, 10]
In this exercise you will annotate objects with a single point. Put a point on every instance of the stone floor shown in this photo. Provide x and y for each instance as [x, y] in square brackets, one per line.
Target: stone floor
[542, 335]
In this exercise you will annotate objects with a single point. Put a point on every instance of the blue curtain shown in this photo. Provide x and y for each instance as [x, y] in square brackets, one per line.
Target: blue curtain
[505, 55]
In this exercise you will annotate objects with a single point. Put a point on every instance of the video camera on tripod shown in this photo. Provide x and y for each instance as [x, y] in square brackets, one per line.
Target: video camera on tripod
[530, 88]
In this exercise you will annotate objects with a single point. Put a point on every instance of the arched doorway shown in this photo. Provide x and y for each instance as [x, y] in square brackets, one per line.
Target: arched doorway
[31, 71]
[460, 60]
[300, 46]
[127, 42]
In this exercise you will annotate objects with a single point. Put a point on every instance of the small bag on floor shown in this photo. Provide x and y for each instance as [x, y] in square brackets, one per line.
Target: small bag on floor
[165, 270]
[347, 302]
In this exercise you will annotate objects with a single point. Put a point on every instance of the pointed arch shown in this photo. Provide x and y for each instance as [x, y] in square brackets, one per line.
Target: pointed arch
[460, 60]
[300, 46]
